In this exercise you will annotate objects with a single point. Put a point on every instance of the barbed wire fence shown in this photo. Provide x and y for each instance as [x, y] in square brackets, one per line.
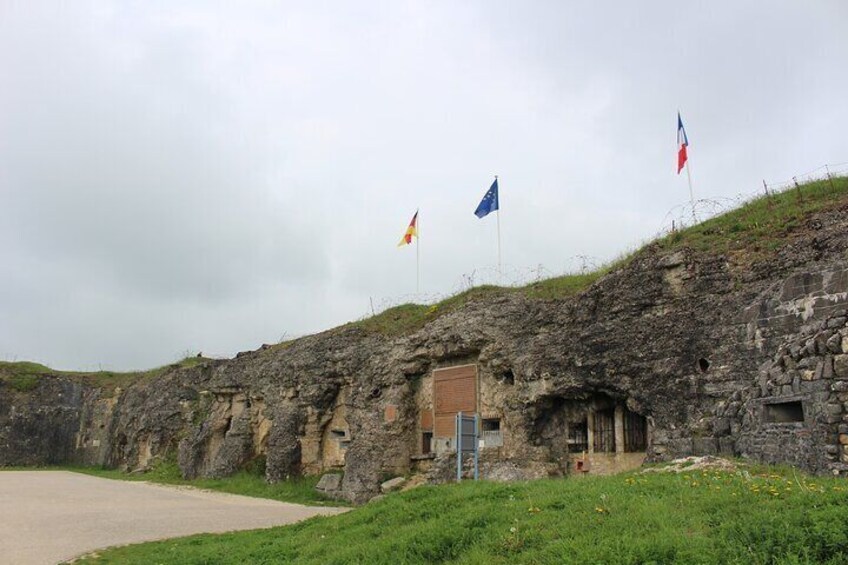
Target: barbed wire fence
[677, 218]
[680, 216]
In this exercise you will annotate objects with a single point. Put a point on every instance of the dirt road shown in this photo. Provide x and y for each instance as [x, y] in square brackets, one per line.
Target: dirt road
[51, 516]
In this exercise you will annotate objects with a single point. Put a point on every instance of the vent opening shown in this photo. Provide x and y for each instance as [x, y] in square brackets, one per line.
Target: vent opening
[784, 412]
[703, 364]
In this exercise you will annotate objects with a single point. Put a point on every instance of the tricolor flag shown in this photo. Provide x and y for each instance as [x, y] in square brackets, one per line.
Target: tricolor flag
[682, 143]
[411, 231]
[489, 203]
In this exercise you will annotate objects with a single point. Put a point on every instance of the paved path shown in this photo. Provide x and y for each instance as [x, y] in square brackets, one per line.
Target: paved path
[51, 516]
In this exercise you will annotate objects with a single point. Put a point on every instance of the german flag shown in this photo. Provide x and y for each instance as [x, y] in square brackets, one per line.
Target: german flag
[411, 231]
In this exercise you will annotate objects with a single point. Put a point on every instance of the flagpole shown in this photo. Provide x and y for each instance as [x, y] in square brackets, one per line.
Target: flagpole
[500, 271]
[691, 192]
[418, 256]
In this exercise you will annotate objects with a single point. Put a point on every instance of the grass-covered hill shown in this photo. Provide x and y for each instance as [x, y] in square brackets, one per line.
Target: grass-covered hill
[747, 234]
[23, 375]
[755, 516]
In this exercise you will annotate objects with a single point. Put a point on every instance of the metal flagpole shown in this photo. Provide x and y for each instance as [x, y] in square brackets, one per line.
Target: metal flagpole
[500, 271]
[418, 255]
[691, 192]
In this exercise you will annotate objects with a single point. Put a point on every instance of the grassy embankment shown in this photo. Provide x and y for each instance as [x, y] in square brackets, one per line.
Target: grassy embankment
[23, 375]
[746, 234]
[248, 482]
[775, 516]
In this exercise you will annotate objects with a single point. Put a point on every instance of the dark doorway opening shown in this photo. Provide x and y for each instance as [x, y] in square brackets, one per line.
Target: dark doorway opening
[426, 442]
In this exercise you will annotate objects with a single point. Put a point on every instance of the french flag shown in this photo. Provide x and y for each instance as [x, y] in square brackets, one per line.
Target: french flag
[682, 143]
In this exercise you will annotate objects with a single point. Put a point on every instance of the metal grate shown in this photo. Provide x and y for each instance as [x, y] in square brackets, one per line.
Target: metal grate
[578, 438]
[492, 438]
[635, 432]
[604, 432]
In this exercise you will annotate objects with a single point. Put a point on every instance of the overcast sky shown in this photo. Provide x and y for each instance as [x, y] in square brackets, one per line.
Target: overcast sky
[198, 176]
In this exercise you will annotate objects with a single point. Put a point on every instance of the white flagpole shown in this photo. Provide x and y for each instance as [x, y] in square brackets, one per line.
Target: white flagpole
[418, 254]
[691, 192]
[500, 271]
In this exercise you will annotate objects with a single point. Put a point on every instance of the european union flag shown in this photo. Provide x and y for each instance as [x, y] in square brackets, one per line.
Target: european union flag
[489, 203]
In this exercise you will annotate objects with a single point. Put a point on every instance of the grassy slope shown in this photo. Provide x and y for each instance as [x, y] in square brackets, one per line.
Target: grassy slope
[746, 234]
[250, 482]
[23, 375]
[699, 517]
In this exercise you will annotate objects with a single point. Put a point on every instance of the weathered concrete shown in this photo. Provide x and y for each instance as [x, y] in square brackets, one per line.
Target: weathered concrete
[52, 516]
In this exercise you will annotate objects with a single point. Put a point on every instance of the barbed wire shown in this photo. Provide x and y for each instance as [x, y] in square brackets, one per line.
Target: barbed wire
[678, 218]
[507, 276]
[681, 215]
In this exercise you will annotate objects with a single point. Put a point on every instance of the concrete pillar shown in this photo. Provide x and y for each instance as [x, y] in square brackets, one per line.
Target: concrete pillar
[590, 431]
[619, 429]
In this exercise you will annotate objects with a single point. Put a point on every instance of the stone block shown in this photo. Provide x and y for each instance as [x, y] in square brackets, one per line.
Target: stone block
[839, 386]
[782, 378]
[840, 366]
[843, 439]
[827, 371]
[808, 375]
[705, 446]
[330, 483]
[833, 409]
[834, 344]
[392, 484]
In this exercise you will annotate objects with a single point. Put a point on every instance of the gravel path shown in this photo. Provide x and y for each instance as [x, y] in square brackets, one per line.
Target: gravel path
[51, 516]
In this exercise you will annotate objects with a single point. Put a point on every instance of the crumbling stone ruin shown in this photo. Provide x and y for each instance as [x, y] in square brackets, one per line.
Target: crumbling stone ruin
[680, 352]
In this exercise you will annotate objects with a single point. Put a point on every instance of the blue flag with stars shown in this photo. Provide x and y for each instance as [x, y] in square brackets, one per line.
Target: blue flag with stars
[489, 203]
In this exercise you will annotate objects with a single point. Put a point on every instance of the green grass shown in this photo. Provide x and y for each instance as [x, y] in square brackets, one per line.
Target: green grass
[759, 227]
[21, 375]
[406, 318]
[24, 375]
[696, 517]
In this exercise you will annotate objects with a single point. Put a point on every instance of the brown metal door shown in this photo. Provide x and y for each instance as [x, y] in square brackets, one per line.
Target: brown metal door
[454, 390]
